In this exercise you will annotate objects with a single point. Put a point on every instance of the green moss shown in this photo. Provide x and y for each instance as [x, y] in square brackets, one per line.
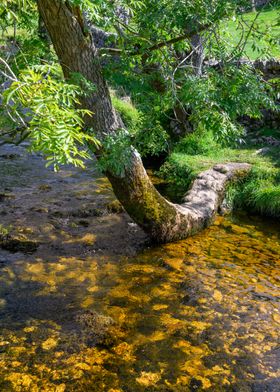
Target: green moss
[129, 114]
[4, 231]
[147, 207]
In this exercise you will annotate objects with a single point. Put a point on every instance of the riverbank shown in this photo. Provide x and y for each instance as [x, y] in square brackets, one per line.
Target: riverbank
[258, 193]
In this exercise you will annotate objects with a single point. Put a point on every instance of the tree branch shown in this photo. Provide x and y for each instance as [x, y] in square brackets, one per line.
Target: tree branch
[14, 78]
[188, 34]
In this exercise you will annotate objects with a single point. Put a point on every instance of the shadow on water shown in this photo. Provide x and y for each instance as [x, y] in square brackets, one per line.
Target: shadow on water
[79, 315]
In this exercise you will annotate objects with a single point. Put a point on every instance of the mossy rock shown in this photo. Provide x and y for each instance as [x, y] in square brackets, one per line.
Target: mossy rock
[115, 207]
[44, 188]
[18, 244]
[87, 213]
[99, 329]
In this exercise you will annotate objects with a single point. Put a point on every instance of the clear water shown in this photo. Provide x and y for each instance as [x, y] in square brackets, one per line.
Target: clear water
[199, 314]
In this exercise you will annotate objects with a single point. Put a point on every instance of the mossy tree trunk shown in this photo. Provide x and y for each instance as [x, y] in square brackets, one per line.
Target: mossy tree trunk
[160, 219]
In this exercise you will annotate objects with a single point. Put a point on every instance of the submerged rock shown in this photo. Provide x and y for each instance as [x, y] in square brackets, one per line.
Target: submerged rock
[44, 188]
[10, 156]
[87, 213]
[98, 328]
[6, 196]
[17, 244]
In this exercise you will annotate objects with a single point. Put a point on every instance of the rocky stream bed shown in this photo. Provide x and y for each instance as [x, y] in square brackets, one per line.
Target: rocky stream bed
[88, 304]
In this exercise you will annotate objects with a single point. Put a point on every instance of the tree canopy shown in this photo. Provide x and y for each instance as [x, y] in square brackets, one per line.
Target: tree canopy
[149, 47]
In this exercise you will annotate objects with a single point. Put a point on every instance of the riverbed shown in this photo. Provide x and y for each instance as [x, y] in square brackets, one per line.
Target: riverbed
[87, 303]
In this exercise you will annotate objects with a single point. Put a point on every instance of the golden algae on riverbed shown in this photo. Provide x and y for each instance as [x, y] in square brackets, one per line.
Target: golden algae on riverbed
[200, 314]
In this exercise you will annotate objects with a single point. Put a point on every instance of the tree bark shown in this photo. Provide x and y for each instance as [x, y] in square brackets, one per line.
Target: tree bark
[160, 219]
[198, 56]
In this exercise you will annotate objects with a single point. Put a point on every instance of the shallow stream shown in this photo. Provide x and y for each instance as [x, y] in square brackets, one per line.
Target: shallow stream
[95, 307]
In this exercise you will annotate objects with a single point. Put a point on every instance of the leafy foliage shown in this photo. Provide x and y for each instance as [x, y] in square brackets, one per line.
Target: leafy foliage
[16, 11]
[196, 143]
[33, 51]
[217, 100]
[155, 71]
[151, 138]
[116, 156]
[43, 102]
[145, 118]
[261, 41]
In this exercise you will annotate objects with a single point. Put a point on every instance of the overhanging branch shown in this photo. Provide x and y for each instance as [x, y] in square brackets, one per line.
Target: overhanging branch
[188, 34]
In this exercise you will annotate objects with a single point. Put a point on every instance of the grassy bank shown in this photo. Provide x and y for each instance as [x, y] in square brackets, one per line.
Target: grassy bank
[266, 21]
[259, 192]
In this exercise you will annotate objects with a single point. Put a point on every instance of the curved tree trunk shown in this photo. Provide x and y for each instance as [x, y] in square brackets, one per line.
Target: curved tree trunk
[160, 219]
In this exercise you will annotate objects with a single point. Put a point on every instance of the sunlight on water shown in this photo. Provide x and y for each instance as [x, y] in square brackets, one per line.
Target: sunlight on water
[200, 314]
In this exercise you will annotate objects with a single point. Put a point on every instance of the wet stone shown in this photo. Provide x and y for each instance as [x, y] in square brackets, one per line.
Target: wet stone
[6, 196]
[58, 214]
[83, 222]
[115, 207]
[40, 210]
[97, 328]
[87, 213]
[45, 188]
[9, 156]
[195, 385]
[14, 245]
